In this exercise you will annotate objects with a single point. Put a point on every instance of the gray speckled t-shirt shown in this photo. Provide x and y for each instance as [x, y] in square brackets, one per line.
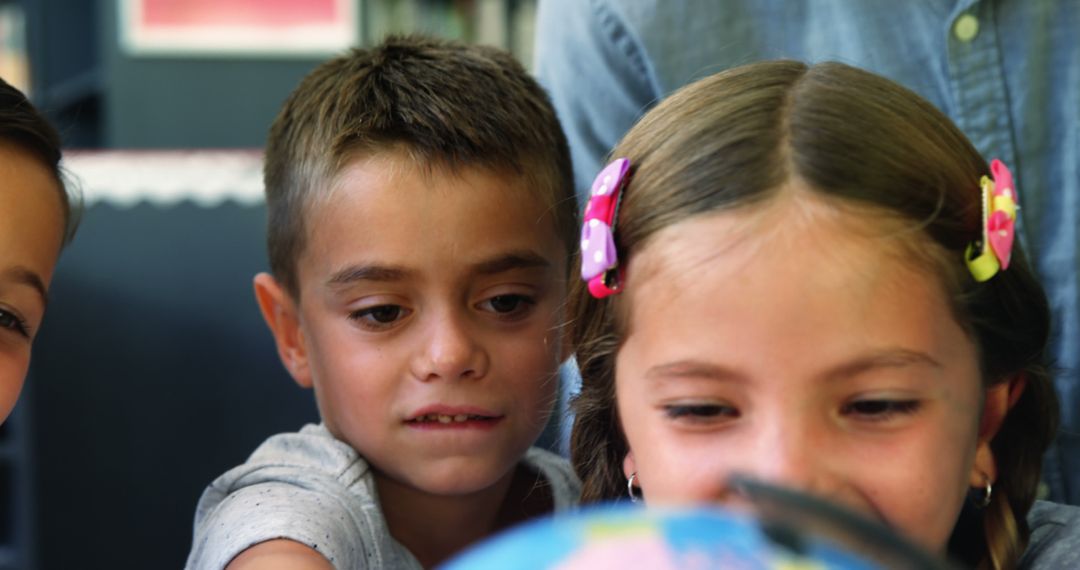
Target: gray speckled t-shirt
[1055, 537]
[312, 488]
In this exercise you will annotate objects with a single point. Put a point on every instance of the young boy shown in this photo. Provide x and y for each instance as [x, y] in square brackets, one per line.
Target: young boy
[421, 218]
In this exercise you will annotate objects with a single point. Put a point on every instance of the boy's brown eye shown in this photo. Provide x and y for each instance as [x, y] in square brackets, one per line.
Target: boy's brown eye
[386, 313]
[506, 303]
[382, 314]
[509, 306]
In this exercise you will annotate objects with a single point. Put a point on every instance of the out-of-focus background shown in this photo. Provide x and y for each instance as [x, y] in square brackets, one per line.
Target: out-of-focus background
[153, 372]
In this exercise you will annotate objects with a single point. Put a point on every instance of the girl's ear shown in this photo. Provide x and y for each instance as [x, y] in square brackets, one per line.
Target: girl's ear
[629, 467]
[281, 315]
[999, 399]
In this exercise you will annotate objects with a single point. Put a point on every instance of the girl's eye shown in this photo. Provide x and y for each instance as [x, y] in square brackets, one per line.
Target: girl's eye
[12, 322]
[700, 411]
[880, 410]
[380, 316]
[508, 305]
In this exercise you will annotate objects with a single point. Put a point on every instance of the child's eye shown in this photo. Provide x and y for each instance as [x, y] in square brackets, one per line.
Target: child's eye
[12, 322]
[380, 316]
[880, 410]
[700, 412]
[512, 305]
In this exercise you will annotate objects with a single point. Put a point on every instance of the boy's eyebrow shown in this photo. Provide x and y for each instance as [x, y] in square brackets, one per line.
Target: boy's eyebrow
[519, 259]
[355, 273]
[26, 276]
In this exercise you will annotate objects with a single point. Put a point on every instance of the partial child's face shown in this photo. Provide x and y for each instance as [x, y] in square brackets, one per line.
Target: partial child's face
[30, 237]
[429, 321]
[783, 345]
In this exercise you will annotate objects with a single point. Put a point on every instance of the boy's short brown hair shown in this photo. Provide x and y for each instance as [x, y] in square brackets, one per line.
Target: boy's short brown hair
[442, 103]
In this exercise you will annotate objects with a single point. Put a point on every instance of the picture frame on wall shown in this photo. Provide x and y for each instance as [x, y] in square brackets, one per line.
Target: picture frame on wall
[184, 28]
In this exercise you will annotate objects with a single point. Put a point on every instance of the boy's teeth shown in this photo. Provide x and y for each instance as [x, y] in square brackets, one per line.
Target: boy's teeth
[446, 418]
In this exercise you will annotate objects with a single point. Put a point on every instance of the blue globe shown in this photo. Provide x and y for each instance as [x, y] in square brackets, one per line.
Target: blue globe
[631, 537]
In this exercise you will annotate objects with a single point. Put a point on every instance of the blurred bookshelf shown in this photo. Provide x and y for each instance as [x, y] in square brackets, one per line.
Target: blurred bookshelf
[70, 57]
[503, 23]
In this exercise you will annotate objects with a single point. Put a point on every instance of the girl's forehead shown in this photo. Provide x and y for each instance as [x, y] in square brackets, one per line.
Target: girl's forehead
[798, 244]
[794, 223]
[793, 301]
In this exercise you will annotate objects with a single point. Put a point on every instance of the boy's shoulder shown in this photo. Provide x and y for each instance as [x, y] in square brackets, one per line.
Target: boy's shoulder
[311, 459]
[1055, 537]
[558, 474]
[306, 486]
[311, 447]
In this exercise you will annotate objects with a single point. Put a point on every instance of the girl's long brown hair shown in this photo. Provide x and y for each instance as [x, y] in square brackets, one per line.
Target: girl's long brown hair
[731, 140]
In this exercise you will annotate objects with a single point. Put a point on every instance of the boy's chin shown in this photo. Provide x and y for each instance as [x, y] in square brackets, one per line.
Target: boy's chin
[464, 478]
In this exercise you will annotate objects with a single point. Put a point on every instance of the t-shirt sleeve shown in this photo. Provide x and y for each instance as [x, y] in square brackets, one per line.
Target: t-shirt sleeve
[268, 511]
[305, 487]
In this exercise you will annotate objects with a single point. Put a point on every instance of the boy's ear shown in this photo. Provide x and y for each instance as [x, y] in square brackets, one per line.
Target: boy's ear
[282, 316]
[999, 399]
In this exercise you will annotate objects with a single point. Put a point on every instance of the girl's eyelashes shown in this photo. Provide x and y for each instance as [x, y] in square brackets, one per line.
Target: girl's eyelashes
[700, 412]
[379, 317]
[12, 322]
[881, 409]
[510, 307]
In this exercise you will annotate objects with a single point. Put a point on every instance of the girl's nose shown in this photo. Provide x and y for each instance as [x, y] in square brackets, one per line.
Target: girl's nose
[792, 456]
[450, 350]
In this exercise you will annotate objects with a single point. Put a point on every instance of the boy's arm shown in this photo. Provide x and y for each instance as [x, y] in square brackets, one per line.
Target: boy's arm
[281, 554]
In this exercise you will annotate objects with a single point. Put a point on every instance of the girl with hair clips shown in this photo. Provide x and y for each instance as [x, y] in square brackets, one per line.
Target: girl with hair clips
[36, 223]
[807, 275]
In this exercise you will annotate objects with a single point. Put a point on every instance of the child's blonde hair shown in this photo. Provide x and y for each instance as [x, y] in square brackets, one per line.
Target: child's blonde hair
[733, 139]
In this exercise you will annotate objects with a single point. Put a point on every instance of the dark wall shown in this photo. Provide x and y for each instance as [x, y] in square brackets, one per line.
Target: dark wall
[170, 102]
[153, 374]
[63, 40]
[100, 96]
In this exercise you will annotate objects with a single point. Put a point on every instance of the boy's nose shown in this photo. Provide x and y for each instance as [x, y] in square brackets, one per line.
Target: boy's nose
[451, 351]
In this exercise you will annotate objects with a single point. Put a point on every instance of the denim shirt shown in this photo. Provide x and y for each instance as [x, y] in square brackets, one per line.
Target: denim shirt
[1006, 71]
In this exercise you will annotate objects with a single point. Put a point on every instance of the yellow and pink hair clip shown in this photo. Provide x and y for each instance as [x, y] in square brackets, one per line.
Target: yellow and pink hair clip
[992, 253]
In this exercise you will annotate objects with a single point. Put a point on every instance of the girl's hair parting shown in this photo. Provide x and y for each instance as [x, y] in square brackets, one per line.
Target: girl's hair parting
[734, 139]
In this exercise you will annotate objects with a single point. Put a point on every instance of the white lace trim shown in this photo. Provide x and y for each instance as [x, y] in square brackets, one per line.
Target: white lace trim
[206, 177]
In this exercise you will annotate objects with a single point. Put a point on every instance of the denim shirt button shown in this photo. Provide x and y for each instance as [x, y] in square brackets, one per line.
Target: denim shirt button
[966, 28]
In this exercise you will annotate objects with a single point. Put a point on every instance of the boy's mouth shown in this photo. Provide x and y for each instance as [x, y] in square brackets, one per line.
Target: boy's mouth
[448, 419]
[442, 416]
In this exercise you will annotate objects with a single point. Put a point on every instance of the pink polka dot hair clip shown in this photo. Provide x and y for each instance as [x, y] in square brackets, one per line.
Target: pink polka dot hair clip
[599, 258]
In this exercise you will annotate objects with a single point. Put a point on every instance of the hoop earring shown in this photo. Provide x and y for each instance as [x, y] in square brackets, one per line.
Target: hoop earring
[988, 494]
[634, 498]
